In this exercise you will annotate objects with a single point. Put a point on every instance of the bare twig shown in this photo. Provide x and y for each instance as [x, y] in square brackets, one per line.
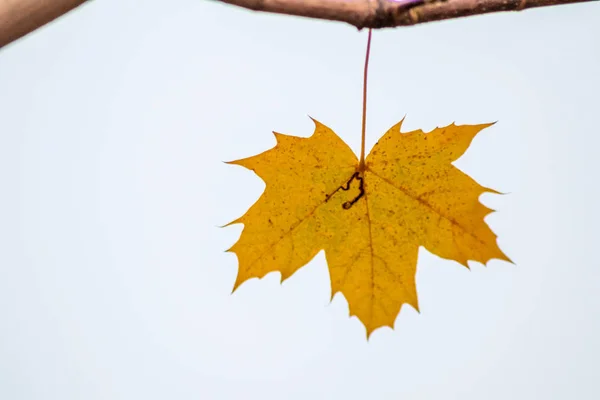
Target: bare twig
[390, 13]
[19, 17]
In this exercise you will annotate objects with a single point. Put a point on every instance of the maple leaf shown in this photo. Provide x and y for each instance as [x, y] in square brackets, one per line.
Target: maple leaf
[370, 218]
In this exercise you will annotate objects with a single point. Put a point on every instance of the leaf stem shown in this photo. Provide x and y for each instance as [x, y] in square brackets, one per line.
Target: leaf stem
[361, 163]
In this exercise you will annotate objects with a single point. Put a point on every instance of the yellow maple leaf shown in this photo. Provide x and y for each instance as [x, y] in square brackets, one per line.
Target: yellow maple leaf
[370, 218]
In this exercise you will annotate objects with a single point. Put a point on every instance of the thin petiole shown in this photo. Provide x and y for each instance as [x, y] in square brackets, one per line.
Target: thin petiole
[361, 164]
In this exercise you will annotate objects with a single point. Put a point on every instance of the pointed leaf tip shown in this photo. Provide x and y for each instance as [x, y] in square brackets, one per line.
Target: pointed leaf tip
[504, 257]
[315, 121]
[235, 221]
[398, 126]
[284, 276]
[279, 137]
[484, 125]
[237, 284]
[235, 162]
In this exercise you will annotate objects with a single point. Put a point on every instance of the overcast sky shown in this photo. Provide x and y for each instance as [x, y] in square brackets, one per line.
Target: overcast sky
[114, 283]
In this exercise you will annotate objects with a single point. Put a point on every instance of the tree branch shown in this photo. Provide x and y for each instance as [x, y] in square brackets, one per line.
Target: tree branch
[19, 17]
[391, 13]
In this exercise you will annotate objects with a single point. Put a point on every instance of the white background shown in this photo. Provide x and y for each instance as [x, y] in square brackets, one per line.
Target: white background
[114, 284]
